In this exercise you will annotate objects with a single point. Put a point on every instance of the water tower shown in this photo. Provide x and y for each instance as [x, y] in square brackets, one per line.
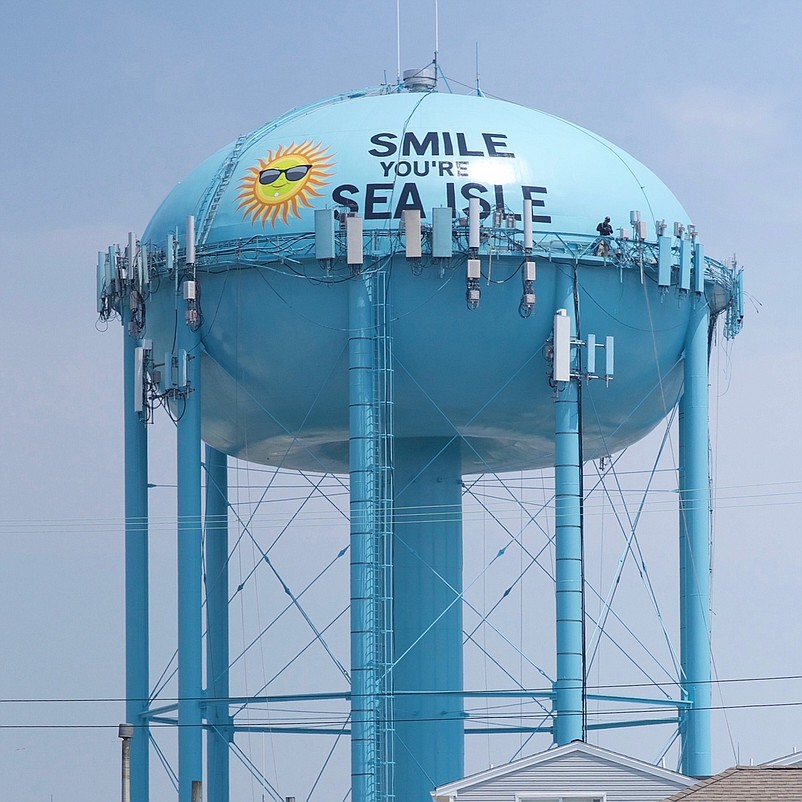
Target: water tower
[407, 286]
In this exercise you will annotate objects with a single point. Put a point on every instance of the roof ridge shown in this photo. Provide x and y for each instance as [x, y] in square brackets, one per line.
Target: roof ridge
[724, 775]
[702, 784]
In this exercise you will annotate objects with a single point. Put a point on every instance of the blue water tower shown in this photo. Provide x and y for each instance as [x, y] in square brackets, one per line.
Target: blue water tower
[407, 286]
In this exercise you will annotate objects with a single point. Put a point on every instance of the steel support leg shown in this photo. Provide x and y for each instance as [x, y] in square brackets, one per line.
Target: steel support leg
[190, 665]
[427, 581]
[694, 536]
[136, 577]
[365, 769]
[569, 685]
[220, 732]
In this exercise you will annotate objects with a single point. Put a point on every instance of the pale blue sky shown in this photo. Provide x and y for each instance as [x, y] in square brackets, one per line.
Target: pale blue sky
[105, 106]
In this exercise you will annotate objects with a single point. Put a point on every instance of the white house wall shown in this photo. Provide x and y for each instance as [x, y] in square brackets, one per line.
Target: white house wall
[574, 774]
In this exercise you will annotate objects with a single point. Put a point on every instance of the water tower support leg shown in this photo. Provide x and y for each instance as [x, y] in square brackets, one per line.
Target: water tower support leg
[220, 731]
[694, 536]
[569, 684]
[365, 753]
[568, 701]
[190, 734]
[136, 577]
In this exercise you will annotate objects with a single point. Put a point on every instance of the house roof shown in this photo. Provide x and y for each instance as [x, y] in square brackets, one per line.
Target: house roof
[747, 784]
[550, 755]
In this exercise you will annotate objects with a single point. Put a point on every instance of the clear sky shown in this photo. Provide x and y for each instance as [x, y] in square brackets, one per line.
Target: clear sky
[106, 105]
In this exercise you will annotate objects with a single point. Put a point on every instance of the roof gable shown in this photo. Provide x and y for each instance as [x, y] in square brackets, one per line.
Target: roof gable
[551, 756]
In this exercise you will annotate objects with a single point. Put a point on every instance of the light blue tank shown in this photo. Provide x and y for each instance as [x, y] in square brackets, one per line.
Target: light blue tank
[334, 335]
[275, 318]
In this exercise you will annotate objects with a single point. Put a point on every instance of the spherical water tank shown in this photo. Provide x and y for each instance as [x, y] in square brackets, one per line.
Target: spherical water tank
[275, 322]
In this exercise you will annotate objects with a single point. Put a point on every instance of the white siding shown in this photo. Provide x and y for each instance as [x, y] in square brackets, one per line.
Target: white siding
[574, 774]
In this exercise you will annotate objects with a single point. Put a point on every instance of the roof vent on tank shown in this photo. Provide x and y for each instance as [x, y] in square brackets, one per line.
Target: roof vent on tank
[422, 80]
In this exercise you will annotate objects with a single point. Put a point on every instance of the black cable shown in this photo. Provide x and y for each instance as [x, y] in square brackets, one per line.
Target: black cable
[489, 691]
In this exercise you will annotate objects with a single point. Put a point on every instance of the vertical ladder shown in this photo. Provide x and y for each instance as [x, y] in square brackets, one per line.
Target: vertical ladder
[383, 483]
[207, 210]
[371, 491]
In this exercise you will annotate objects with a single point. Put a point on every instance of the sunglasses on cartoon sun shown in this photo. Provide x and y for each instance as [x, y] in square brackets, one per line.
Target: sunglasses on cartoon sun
[291, 173]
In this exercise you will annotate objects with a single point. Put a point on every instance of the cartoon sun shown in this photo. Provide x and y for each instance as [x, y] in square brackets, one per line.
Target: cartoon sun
[278, 185]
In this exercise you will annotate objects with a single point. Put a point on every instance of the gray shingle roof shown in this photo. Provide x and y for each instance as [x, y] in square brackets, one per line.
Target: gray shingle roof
[747, 784]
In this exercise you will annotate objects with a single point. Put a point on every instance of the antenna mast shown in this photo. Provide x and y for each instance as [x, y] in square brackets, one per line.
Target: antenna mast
[478, 90]
[436, 38]
[398, 41]
[436, 33]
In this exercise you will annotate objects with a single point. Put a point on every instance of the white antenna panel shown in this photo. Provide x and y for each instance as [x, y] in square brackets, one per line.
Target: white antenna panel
[474, 221]
[609, 355]
[562, 346]
[131, 253]
[101, 279]
[529, 239]
[442, 232]
[190, 247]
[353, 238]
[139, 378]
[591, 358]
[325, 247]
[412, 230]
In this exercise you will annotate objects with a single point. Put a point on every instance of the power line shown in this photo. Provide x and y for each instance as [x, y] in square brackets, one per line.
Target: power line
[489, 691]
[326, 725]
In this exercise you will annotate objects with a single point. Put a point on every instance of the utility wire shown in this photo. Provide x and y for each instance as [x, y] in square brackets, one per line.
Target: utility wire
[515, 716]
[490, 691]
